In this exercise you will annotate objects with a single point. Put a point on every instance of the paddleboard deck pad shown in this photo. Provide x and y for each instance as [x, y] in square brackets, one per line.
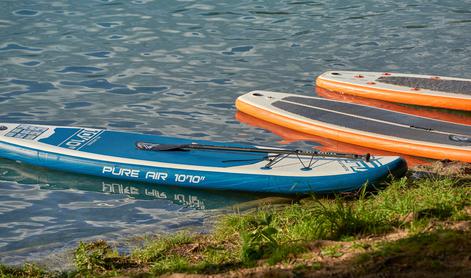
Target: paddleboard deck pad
[132, 156]
[361, 125]
[425, 90]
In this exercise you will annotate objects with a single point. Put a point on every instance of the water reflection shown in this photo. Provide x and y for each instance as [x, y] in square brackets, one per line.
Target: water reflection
[54, 180]
[43, 211]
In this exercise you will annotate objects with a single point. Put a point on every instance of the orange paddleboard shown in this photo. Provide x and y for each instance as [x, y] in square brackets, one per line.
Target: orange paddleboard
[361, 125]
[425, 90]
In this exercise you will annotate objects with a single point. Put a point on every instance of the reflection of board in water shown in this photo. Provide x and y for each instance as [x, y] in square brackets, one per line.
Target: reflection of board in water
[55, 180]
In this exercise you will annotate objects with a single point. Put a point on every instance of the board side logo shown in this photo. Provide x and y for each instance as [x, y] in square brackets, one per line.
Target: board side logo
[81, 138]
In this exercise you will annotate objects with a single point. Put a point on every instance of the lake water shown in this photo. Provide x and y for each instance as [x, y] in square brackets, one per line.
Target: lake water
[175, 68]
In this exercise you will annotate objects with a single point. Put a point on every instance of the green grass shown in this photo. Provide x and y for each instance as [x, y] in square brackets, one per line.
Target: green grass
[275, 235]
[158, 248]
[27, 270]
[398, 206]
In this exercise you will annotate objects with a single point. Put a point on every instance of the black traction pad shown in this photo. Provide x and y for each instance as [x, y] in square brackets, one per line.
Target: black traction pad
[442, 85]
[375, 120]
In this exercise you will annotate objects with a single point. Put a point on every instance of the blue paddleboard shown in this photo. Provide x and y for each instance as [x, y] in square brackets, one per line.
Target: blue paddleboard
[175, 161]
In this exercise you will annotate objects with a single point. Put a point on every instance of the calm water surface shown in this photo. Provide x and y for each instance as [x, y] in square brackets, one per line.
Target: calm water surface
[175, 68]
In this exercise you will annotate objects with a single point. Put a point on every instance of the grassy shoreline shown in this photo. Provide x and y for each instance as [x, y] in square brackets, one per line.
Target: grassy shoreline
[419, 225]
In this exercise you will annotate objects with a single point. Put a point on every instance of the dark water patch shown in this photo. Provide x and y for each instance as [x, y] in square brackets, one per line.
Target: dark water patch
[304, 81]
[108, 24]
[100, 83]
[25, 12]
[32, 86]
[360, 44]
[110, 3]
[309, 3]
[140, 2]
[415, 26]
[33, 120]
[221, 105]
[116, 37]
[238, 49]
[14, 46]
[217, 81]
[280, 20]
[140, 106]
[178, 93]
[301, 33]
[360, 17]
[400, 48]
[31, 63]
[96, 75]
[461, 11]
[181, 113]
[193, 135]
[123, 91]
[269, 13]
[195, 28]
[352, 7]
[272, 39]
[5, 23]
[70, 37]
[458, 50]
[179, 11]
[223, 13]
[15, 115]
[242, 48]
[80, 69]
[459, 21]
[124, 124]
[77, 104]
[151, 90]
[138, 90]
